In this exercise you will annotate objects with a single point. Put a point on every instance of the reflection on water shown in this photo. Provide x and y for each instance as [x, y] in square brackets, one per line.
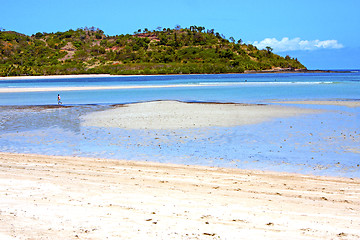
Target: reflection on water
[325, 144]
[30, 118]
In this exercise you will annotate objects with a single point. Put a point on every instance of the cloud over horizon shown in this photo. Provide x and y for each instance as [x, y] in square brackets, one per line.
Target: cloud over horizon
[295, 44]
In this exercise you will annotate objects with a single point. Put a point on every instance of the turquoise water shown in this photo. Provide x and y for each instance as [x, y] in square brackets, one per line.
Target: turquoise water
[223, 87]
[324, 144]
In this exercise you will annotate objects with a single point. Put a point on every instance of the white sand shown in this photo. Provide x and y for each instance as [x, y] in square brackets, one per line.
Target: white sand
[45, 197]
[174, 115]
[56, 89]
[82, 88]
[58, 76]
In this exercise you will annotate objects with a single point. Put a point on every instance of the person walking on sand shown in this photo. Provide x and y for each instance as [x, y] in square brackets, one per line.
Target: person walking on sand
[59, 99]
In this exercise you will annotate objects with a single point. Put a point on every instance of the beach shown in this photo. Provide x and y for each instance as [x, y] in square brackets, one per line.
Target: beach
[181, 115]
[60, 76]
[191, 157]
[57, 89]
[47, 197]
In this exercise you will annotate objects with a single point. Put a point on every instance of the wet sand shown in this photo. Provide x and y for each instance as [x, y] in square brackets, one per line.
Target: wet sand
[176, 115]
[45, 197]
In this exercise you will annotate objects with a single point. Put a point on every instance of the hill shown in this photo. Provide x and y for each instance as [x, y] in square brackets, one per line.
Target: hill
[161, 51]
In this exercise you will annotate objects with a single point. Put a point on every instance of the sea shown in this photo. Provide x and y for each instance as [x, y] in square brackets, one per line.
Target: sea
[326, 143]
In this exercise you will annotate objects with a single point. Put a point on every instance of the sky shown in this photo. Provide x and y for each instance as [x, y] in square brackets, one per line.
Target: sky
[322, 34]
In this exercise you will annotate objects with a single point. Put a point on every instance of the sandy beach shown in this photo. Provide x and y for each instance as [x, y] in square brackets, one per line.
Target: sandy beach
[57, 89]
[58, 197]
[60, 76]
[88, 88]
[46, 197]
[176, 115]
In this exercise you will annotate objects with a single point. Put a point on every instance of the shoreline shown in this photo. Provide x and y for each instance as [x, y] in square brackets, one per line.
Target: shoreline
[137, 200]
[56, 89]
[119, 87]
[77, 88]
[143, 130]
[155, 165]
[109, 75]
[352, 103]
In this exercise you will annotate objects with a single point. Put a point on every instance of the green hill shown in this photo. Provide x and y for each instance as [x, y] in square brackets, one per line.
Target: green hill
[162, 51]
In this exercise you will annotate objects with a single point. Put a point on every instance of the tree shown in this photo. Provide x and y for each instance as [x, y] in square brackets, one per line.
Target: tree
[100, 31]
[269, 49]
[98, 36]
[38, 35]
[200, 29]
[187, 50]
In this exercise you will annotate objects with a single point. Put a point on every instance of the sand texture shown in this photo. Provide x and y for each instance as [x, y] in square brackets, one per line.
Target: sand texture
[175, 115]
[44, 197]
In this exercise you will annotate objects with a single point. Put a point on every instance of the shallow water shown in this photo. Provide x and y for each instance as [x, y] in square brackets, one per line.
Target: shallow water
[216, 88]
[323, 144]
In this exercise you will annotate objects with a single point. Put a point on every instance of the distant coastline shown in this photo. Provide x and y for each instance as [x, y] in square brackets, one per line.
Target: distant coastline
[193, 50]
[285, 70]
[62, 76]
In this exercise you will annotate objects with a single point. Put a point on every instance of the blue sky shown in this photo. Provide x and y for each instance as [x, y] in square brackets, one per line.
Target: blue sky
[322, 34]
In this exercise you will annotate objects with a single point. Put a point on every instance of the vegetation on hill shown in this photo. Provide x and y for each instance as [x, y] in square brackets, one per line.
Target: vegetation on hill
[161, 51]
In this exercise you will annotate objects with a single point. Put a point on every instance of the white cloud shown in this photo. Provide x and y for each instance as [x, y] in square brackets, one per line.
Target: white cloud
[287, 44]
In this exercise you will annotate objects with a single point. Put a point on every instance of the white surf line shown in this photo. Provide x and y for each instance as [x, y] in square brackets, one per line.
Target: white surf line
[61, 77]
[82, 88]
[55, 89]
